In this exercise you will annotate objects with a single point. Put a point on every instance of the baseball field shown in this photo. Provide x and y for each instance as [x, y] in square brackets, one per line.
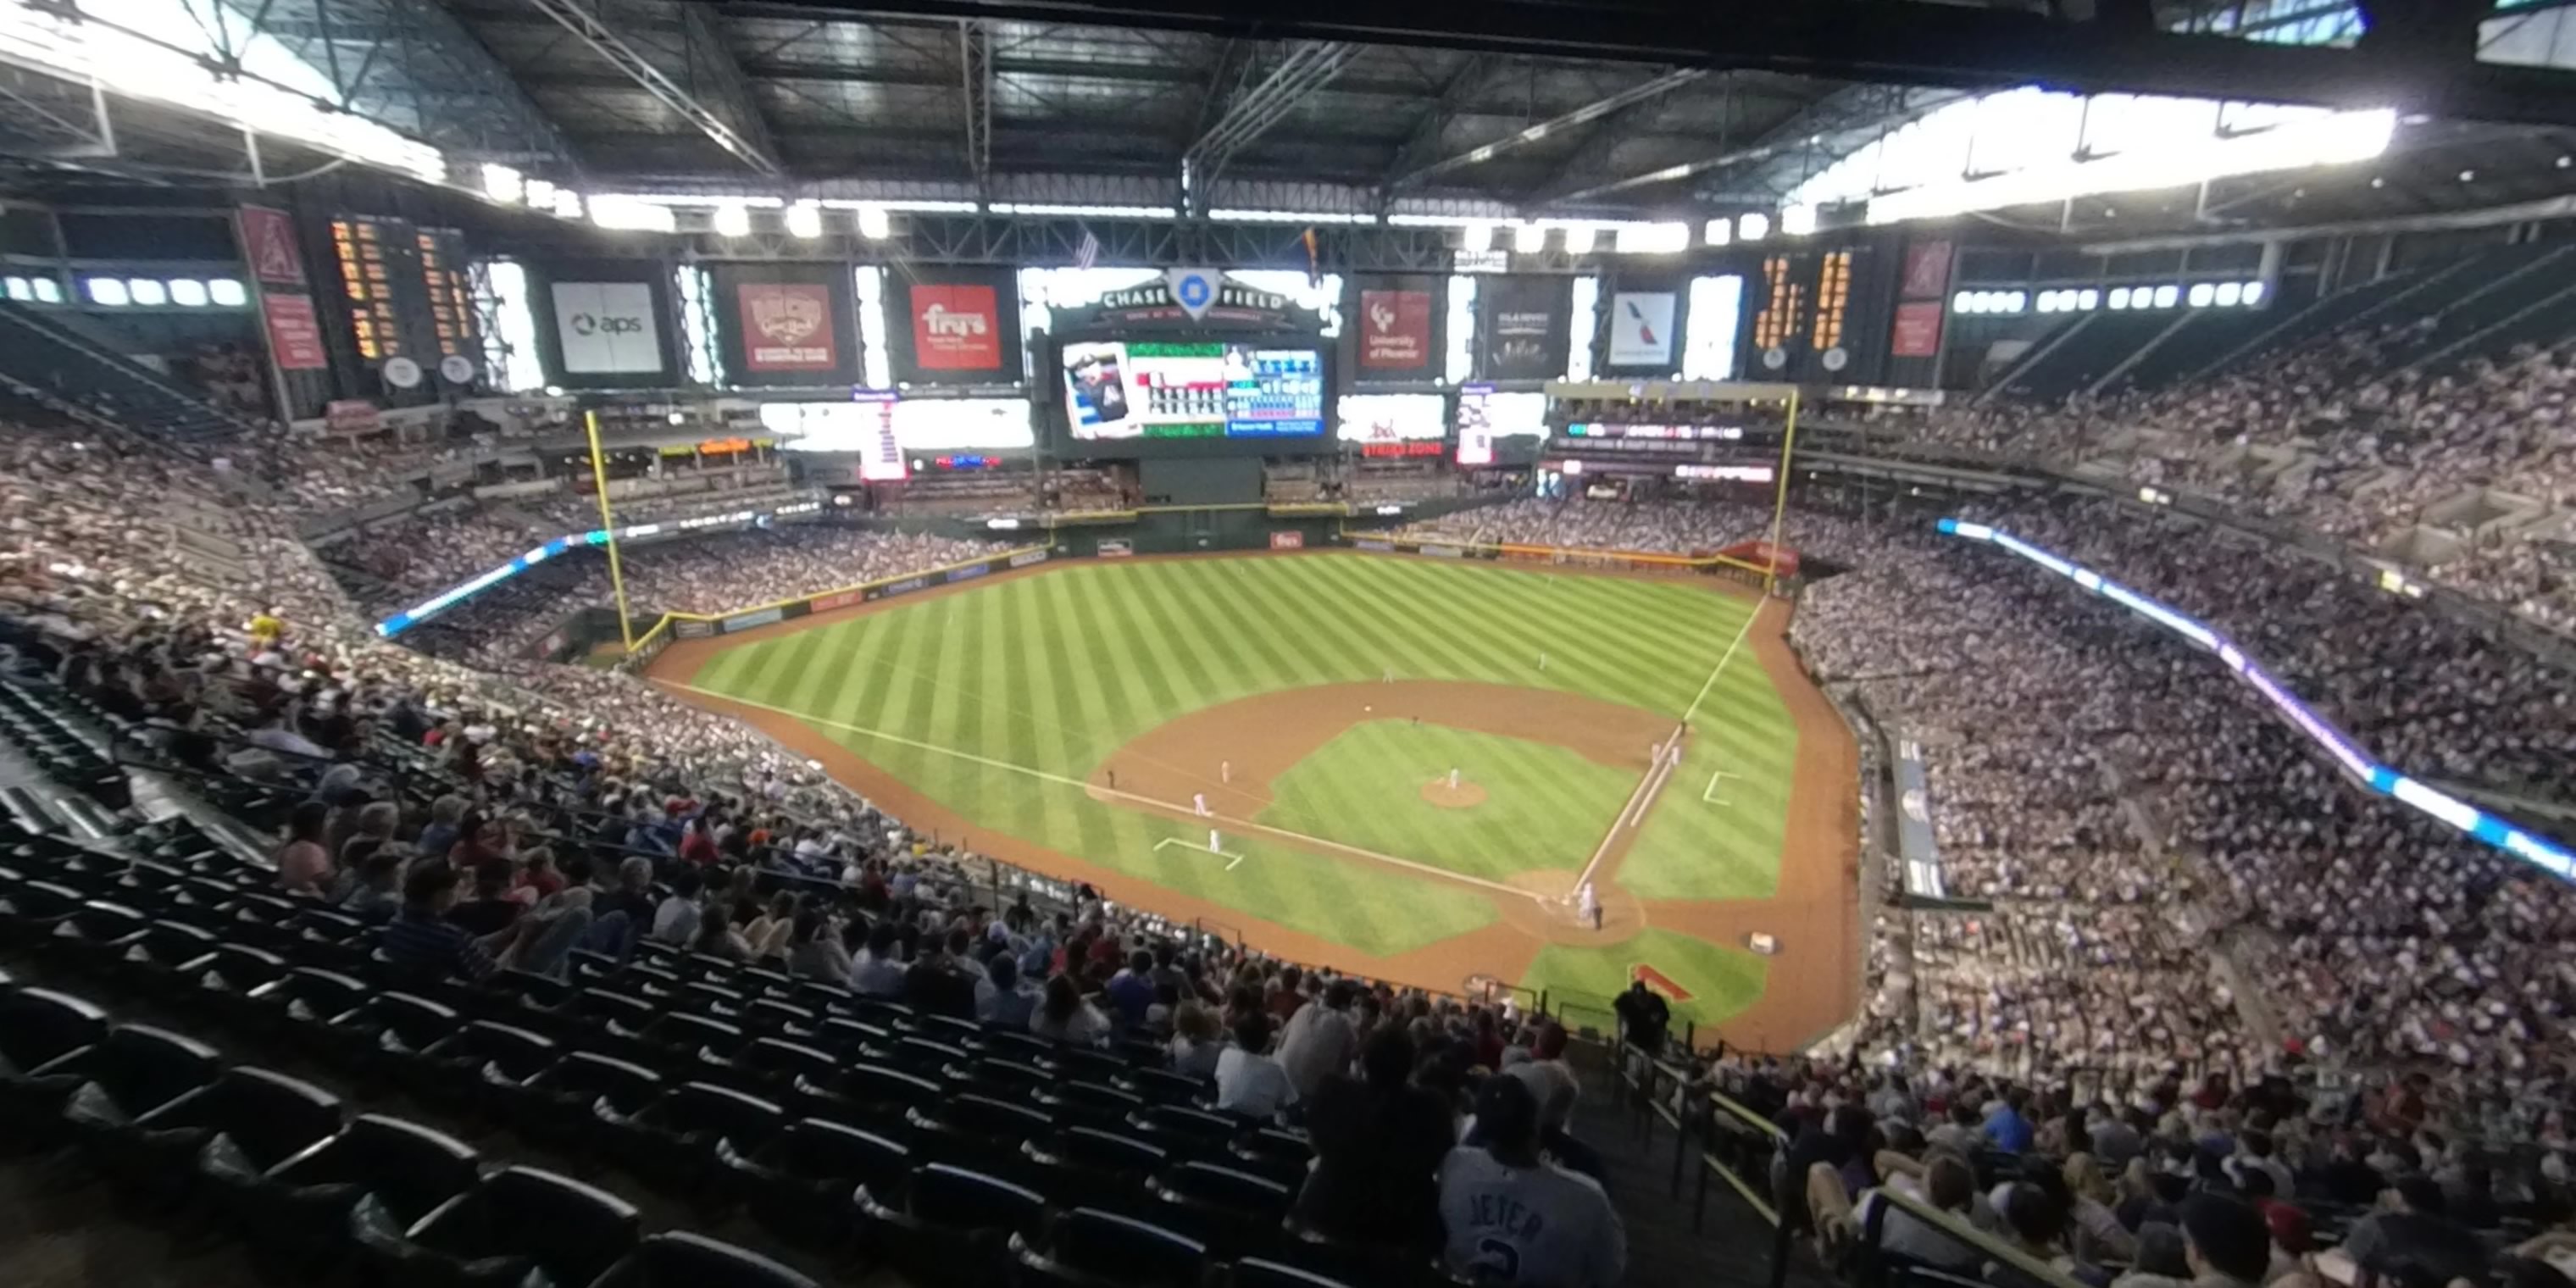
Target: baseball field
[1402, 767]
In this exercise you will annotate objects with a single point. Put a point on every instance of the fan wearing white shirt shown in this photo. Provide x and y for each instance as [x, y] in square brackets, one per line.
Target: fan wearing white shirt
[1247, 1081]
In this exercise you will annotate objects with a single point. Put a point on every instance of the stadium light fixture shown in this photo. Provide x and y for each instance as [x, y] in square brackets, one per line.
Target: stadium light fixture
[1797, 221]
[1752, 226]
[625, 214]
[2253, 293]
[2201, 295]
[108, 292]
[733, 219]
[1718, 232]
[2088, 299]
[146, 291]
[18, 288]
[1318, 217]
[1579, 238]
[187, 292]
[1476, 239]
[2119, 297]
[1044, 210]
[504, 184]
[2168, 295]
[1652, 239]
[1529, 239]
[874, 223]
[805, 219]
[2228, 294]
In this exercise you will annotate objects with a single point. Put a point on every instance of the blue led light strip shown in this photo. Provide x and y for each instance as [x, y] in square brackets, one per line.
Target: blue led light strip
[476, 585]
[2386, 781]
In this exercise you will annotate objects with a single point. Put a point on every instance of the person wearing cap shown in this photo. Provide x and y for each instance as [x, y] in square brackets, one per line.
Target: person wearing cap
[2224, 1243]
[1512, 1217]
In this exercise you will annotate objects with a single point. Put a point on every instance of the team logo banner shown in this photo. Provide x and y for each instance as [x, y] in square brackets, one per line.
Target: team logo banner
[1927, 270]
[607, 328]
[787, 327]
[268, 246]
[1641, 329]
[1395, 330]
[1523, 325]
[956, 328]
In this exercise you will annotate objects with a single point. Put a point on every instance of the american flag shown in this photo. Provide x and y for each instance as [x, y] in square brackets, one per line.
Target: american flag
[1087, 251]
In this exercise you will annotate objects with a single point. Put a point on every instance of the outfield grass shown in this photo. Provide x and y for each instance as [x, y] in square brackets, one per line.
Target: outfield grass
[1039, 678]
[1544, 806]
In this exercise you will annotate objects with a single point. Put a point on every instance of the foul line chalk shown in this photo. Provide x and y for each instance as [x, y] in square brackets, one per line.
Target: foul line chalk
[1720, 668]
[1232, 824]
[1222, 854]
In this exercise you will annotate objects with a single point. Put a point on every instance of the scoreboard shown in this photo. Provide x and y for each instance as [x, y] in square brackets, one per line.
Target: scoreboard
[407, 290]
[1152, 389]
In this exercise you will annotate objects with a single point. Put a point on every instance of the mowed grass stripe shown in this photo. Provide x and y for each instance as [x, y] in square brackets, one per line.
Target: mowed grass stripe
[1076, 706]
[1389, 632]
[1279, 648]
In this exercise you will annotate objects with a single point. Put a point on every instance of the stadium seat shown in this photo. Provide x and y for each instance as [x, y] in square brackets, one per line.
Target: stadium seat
[132, 1073]
[1186, 1133]
[570, 1103]
[486, 1063]
[94, 936]
[41, 1029]
[516, 1222]
[1094, 1103]
[30, 910]
[1087, 1165]
[228, 983]
[677, 1260]
[979, 1128]
[1164, 1087]
[684, 1045]
[1007, 1078]
[798, 1185]
[1254, 1272]
[384, 1035]
[1283, 1156]
[673, 1142]
[1017, 1043]
[304, 1000]
[1235, 1213]
[249, 1121]
[161, 963]
[301, 1207]
[1090, 1248]
[885, 1098]
[950, 1227]
[773, 1067]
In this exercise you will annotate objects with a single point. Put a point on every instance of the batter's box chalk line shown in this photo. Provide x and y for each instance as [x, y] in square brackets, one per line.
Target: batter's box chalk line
[1222, 854]
[1709, 796]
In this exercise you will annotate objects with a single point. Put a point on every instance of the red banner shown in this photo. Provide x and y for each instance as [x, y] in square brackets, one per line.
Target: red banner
[268, 246]
[1927, 270]
[956, 328]
[1288, 541]
[1395, 329]
[787, 327]
[842, 599]
[294, 334]
[1918, 330]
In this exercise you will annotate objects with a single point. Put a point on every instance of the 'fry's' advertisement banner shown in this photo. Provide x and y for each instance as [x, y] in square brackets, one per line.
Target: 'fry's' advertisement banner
[954, 325]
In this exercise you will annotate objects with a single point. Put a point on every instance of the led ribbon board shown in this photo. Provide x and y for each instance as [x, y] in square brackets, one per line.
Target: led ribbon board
[2380, 778]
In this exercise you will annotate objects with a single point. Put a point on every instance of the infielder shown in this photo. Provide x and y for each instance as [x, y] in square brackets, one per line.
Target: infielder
[1225, 771]
[1453, 780]
[1198, 802]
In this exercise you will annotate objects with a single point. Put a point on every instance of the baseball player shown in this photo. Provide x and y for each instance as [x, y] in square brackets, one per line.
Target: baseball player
[1589, 904]
[1198, 801]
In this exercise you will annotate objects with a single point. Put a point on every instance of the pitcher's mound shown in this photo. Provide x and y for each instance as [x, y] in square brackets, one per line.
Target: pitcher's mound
[1465, 794]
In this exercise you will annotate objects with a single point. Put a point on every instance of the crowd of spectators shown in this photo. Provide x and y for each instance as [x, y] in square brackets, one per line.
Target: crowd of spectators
[2151, 1182]
[2373, 444]
[1656, 527]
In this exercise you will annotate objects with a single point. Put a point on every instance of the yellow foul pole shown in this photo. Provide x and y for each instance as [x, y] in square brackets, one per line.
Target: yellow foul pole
[616, 573]
[1779, 500]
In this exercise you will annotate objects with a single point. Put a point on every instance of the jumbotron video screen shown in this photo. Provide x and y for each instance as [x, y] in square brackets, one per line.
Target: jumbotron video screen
[1120, 389]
